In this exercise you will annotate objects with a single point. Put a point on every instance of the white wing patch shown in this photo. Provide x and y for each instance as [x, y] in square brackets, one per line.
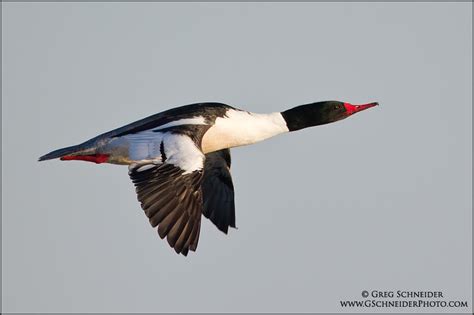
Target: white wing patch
[145, 146]
[181, 151]
[198, 120]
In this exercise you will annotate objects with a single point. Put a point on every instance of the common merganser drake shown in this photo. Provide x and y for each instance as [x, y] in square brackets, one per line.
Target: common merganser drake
[179, 159]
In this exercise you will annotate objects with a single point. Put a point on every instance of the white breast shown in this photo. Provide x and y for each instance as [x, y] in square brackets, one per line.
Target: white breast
[239, 128]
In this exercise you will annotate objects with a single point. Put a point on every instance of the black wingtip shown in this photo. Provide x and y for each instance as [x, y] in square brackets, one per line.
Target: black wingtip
[225, 228]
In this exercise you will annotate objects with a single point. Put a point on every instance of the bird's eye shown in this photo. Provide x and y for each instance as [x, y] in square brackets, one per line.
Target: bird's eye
[337, 107]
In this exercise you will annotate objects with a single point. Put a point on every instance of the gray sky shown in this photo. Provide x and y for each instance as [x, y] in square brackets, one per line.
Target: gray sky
[381, 200]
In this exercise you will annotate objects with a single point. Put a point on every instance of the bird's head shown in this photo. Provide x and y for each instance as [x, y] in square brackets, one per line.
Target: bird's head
[321, 113]
[332, 111]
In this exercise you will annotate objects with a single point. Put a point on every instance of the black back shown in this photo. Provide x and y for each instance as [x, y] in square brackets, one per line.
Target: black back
[210, 111]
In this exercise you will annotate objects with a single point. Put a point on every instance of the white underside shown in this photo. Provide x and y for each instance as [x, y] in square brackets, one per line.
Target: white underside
[239, 128]
[144, 148]
[235, 129]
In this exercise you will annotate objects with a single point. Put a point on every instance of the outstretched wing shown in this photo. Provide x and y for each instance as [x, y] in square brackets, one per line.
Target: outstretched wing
[218, 190]
[169, 190]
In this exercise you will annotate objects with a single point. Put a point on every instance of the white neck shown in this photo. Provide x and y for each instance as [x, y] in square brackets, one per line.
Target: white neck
[239, 128]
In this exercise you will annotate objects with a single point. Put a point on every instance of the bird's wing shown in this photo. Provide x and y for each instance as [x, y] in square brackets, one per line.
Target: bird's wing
[169, 190]
[218, 190]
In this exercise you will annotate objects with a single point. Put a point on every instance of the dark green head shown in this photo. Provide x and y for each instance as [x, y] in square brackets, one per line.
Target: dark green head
[320, 113]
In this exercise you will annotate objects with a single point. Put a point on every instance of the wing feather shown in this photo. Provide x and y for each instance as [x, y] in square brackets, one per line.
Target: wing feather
[175, 191]
[170, 194]
[218, 190]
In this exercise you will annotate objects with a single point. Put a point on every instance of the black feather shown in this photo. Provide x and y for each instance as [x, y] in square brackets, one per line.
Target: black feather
[172, 201]
[218, 190]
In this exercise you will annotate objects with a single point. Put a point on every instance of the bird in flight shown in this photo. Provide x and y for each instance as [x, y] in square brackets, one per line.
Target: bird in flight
[179, 159]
